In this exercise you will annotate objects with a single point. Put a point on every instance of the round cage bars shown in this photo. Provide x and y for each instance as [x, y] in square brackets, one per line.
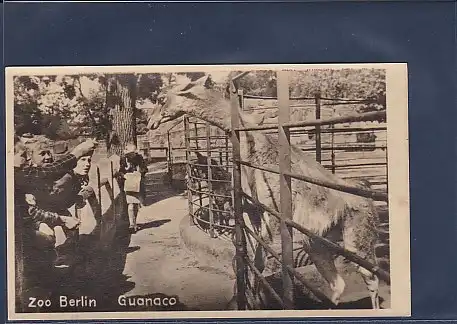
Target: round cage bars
[209, 178]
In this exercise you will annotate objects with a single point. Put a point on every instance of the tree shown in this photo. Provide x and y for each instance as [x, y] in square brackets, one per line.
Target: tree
[357, 84]
[113, 107]
[121, 106]
[42, 105]
[261, 83]
[366, 84]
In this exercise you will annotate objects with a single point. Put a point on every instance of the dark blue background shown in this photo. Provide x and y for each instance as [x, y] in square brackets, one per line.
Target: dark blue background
[419, 33]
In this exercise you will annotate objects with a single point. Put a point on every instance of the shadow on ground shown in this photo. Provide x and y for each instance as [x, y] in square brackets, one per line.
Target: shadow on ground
[166, 192]
[153, 224]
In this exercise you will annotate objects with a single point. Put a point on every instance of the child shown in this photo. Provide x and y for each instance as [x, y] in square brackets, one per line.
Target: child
[131, 174]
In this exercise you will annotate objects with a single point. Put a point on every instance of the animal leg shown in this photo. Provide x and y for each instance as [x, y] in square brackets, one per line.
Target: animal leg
[259, 262]
[372, 282]
[351, 235]
[325, 264]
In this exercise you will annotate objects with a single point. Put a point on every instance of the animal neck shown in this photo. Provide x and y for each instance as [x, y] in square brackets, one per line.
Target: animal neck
[219, 115]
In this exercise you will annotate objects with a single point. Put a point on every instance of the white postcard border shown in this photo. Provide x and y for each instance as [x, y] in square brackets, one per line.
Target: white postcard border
[398, 183]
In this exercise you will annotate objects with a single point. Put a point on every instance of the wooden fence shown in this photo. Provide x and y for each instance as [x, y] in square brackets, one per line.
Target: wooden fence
[243, 263]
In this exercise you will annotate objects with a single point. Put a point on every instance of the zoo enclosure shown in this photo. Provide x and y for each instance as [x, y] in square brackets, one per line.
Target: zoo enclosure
[285, 216]
[214, 147]
[343, 148]
[200, 137]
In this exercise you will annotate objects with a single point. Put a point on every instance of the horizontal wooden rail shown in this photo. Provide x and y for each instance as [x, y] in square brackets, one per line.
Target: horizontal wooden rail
[322, 297]
[345, 100]
[204, 137]
[342, 148]
[212, 165]
[217, 150]
[338, 130]
[370, 116]
[351, 256]
[301, 106]
[340, 166]
[155, 148]
[198, 123]
[375, 195]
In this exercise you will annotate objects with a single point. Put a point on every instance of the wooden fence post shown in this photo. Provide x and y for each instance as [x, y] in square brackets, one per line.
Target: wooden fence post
[99, 207]
[387, 167]
[112, 186]
[240, 245]
[333, 149]
[241, 98]
[318, 128]
[169, 159]
[20, 278]
[188, 170]
[99, 189]
[285, 188]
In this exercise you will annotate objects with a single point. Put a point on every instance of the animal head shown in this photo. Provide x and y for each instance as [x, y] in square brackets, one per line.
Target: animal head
[203, 98]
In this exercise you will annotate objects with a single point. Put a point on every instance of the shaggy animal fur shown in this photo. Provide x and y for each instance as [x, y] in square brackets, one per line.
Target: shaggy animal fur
[316, 208]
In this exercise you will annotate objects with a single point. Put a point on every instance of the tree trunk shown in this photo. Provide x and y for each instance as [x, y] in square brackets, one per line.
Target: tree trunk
[121, 98]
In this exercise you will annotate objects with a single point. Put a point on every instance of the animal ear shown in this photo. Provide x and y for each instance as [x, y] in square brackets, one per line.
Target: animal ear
[188, 95]
[209, 83]
[203, 81]
[189, 86]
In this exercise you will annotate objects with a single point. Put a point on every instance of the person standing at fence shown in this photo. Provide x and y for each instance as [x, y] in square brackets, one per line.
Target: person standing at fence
[26, 216]
[131, 177]
[71, 192]
[33, 179]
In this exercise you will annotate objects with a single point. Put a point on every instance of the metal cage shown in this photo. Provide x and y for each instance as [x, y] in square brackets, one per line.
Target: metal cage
[209, 178]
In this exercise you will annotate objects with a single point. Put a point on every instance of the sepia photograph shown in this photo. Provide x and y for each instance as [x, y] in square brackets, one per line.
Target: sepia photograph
[207, 191]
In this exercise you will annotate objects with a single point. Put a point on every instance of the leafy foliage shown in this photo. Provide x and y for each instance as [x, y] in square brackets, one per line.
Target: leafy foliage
[368, 85]
[43, 104]
[357, 84]
[66, 106]
[260, 83]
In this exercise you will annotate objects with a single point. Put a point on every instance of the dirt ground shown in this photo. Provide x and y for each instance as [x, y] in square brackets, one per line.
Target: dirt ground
[159, 264]
[154, 263]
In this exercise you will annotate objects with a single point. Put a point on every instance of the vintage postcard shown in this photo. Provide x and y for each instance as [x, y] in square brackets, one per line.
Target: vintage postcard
[226, 191]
